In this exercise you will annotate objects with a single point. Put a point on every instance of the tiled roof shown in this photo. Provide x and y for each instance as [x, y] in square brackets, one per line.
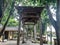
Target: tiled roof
[9, 28]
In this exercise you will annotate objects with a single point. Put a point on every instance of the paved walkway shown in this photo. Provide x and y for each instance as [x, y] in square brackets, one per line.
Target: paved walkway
[14, 43]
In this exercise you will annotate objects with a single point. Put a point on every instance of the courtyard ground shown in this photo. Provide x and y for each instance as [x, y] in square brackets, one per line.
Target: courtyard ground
[14, 43]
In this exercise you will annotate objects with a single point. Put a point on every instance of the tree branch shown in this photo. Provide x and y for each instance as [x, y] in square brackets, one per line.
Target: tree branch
[10, 13]
[53, 22]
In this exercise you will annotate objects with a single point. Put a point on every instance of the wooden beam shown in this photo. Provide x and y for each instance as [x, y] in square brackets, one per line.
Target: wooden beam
[29, 9]
[29, 24]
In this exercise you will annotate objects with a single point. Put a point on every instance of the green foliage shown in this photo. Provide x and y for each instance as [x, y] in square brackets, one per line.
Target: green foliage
[12, 22]
[7, 12]
[48, 1]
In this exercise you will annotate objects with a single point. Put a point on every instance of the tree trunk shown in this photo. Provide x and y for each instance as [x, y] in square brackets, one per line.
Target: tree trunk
[10, 13]
[58, 22]
[1, 12]
[53, 22]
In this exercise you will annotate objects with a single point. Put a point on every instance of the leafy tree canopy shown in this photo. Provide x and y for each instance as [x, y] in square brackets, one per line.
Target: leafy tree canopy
[8, 3]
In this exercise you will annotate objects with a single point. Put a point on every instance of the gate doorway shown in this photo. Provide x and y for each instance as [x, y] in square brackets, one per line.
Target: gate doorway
[6, 34]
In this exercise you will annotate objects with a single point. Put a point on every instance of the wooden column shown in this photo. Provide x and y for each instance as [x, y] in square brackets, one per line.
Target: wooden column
[50, 34]
[31, 35]
[9, 35]
[19, 29]
[23, 41]
[26, 34]
[3, 36]
[40, 26]
[35, 32]
[27, 31]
